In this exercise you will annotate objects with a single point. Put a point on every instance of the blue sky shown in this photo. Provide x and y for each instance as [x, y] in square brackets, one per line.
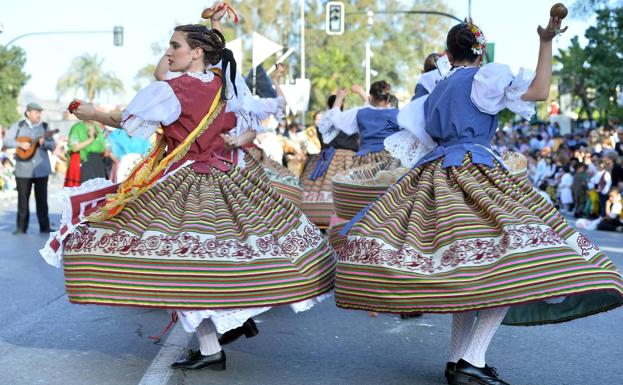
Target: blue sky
[510, 24]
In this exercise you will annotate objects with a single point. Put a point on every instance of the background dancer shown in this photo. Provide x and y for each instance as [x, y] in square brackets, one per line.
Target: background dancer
[338, 150]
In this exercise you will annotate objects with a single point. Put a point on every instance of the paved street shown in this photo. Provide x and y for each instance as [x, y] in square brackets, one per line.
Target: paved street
[46, 340]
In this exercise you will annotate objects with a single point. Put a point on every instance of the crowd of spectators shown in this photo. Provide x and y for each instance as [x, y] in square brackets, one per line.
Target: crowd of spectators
[580, 172]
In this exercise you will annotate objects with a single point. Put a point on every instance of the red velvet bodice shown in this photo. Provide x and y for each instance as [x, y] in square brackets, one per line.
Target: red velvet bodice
[208, 149]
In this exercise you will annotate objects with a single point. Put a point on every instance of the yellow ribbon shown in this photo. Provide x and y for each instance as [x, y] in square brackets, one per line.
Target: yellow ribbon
[152, 167]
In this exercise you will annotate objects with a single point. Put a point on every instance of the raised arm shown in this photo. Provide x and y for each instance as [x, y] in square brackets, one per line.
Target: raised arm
[276, 77]
[162, 68]
[539, 89]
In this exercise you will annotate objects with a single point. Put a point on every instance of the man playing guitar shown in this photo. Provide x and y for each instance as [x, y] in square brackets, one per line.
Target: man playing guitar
[34, 170]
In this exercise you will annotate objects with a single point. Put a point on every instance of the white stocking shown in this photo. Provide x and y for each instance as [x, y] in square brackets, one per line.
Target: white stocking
[487, 323]
[462, 326]
[208, 341]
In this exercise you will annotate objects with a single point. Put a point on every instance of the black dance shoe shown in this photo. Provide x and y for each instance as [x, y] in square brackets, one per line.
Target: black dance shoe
[410, 315]
[248, 328]
[468, 374]
[18, 232]
[47, 231]
[195, 361]
[449, 372]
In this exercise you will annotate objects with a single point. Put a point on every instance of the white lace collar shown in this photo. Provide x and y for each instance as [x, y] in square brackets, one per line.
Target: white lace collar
[204, 77]
[453, 70]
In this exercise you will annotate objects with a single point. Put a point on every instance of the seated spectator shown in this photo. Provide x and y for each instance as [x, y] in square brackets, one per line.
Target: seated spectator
[612, 220]
[615, 169]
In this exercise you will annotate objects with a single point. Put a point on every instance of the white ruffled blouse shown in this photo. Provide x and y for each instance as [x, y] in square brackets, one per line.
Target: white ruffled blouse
[494, 88]
[157, 105]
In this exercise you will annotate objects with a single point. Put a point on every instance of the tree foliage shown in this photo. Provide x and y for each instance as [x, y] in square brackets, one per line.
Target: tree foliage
[12, 80]
[585, 8]
[593, 75]
[575, 75]
[86, 74]
[399, 42]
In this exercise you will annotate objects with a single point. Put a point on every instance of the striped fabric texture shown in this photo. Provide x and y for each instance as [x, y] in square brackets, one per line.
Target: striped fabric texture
[467, 238]
[201, 241]
[283, 180]
[317, 202]
[356, 188]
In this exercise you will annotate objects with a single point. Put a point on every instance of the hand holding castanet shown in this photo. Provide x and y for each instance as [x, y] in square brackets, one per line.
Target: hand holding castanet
[557, 13]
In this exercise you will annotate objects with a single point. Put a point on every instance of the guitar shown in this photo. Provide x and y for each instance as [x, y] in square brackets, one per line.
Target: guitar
[34, 143]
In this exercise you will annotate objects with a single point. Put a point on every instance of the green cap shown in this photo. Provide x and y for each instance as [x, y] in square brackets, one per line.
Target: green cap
[34, 106]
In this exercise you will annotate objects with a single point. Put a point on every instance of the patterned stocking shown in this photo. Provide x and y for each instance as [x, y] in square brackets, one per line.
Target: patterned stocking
[208, 341]
[487, 323]
[462, 326]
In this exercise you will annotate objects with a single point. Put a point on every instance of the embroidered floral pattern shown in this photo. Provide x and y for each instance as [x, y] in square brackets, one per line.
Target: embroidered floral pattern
[586, 245]
[188, 245]
[462, 252]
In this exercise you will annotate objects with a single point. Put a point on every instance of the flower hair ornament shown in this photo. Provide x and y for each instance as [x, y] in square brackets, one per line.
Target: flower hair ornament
[481, 42]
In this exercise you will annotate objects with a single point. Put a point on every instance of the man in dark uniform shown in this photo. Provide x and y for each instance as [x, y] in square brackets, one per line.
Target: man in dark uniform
[34, 171]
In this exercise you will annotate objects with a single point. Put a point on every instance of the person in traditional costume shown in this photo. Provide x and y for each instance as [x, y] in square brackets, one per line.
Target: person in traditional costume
[86, 147]
[337, 155]
[460, 234]
[431, 74]
[373, 166]
[373, 122]
[196, 227]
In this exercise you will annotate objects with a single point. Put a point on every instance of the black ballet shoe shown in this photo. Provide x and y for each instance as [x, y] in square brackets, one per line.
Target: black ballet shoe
[195, 361]
[248, 329]
[449, 372]
[468, 374]
[410, 315]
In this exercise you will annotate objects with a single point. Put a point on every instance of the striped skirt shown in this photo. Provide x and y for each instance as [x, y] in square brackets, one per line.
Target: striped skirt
[472, 237]
[282, 179]
[223, 240]
[317, 202]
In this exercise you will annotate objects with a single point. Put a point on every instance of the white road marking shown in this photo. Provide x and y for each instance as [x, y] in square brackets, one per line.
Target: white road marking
[612, 249]
[159, 372]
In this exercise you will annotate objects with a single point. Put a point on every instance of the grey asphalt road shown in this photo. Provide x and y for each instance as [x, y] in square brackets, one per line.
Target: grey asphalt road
[46, 340]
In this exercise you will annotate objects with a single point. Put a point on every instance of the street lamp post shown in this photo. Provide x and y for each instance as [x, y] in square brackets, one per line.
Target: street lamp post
[369, 50]
[117, 35]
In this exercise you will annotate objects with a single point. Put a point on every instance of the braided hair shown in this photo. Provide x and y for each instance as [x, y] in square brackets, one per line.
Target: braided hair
[460, 41]
[212, 42]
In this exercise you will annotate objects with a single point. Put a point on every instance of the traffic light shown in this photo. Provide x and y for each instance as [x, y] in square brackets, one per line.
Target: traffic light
[335, 18]
[117, 36]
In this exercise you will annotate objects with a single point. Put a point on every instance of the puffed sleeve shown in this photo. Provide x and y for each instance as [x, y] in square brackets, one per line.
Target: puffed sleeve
[345, 121]
[153, 106]
[253, 111]
[412, 142]
[326, 127]
[496, 88]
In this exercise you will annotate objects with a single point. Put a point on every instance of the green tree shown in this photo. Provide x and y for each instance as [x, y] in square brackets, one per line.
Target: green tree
[86, 74]
[585, 8]
[605, 56]
[575, 76]
[399, 42]
[12, 79]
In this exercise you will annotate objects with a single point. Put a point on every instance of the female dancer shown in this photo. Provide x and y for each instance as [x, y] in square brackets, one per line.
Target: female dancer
[196, 227]
[373, 123]
[460, 234]
[338, 150]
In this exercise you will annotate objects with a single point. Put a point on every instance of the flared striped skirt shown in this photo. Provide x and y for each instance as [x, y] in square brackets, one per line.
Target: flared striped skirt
[468, 238]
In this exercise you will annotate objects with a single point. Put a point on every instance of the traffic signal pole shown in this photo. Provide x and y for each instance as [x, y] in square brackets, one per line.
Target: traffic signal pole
[115, 35]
